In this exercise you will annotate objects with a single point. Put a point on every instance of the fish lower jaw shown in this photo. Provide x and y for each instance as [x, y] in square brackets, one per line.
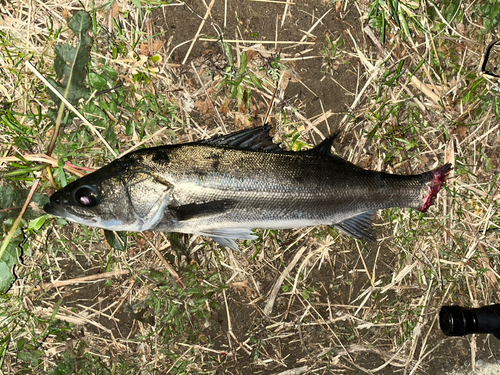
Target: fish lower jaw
[116, 225]
[111, 225]
[121, 227]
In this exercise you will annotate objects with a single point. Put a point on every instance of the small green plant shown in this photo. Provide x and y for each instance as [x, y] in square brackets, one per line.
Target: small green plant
[488, 11]
[182, 311]
[234, 77]
[400, 15]
[11, 201]
[293, 142]
[274, 67]
[70, 66]
[332, 53]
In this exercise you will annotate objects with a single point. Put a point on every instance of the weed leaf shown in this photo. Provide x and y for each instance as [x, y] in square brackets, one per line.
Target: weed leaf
[229, 54]
[71, 62]
[6, 276]
[497, 108]
[8, 260]
[255, 80]
[117, 240]
[11, 201]
[243, 65]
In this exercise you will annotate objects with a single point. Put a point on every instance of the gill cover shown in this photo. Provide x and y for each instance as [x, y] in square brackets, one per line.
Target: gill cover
[148, 196]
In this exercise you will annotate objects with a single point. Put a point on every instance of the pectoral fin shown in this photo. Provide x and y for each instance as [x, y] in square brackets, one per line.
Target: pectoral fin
[197, 210]
[359, 227]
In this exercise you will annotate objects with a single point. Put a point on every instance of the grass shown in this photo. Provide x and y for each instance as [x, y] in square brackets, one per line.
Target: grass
[86, 301]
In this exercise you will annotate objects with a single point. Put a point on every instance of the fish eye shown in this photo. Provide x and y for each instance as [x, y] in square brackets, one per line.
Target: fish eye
[86, 196]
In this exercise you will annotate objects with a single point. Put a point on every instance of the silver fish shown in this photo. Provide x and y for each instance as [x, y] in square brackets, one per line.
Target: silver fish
[225, 187]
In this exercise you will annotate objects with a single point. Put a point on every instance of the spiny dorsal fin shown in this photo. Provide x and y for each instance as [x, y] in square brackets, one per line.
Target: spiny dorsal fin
[256, 139]
[359, 226]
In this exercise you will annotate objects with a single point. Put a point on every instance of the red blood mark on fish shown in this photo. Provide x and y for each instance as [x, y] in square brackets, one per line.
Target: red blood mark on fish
[434, 185]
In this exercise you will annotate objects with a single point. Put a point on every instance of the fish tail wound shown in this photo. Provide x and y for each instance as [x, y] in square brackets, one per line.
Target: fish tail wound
[437, 178]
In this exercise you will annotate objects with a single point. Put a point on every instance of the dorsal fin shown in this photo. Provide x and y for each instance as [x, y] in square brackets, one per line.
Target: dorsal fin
[256, 139]
[323, 148]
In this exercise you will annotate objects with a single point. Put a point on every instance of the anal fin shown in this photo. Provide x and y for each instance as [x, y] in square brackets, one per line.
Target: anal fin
[359, 226]
[226, 242]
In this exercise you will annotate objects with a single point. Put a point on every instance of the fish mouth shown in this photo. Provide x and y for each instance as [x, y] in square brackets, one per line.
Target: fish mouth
[57, 210]
[54, 209]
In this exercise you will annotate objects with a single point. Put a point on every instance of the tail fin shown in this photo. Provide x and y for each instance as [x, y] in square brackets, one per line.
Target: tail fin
[437, 178]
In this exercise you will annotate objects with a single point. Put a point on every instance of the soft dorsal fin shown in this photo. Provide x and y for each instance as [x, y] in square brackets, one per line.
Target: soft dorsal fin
[256, 139]
[323, 148]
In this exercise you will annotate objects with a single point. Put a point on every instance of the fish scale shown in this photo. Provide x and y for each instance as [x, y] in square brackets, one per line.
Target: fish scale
[227, 186]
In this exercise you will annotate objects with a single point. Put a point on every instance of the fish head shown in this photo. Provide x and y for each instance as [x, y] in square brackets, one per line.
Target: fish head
[116, 197]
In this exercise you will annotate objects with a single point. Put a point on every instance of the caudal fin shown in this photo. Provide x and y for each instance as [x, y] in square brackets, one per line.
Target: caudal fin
[437, 178]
